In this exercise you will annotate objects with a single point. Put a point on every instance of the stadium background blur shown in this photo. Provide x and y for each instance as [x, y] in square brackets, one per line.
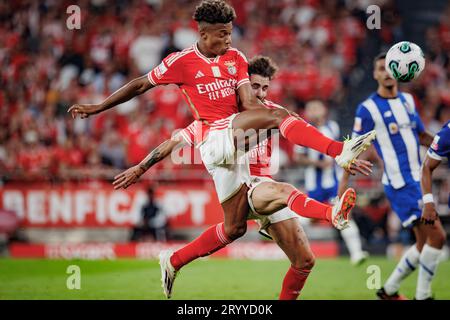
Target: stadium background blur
[324, 51]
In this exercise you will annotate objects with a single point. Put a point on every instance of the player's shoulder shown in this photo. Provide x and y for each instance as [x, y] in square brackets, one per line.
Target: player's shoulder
[178, 56]
[237, 53]
[445, 131]
[367, 104]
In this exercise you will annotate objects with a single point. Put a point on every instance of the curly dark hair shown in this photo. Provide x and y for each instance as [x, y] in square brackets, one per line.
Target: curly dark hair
[214, 11]
[263, 66]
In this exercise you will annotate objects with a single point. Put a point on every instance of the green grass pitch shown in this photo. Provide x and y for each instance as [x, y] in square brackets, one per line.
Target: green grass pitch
[202, 279]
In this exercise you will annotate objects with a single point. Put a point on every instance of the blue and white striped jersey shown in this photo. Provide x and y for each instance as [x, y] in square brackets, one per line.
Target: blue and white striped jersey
[397, 125]
[319, 179]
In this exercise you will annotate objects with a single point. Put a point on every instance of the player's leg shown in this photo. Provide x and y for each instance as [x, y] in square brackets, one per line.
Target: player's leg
[232, 194]
[299, 132]
[213, 239]
[269, 197]
[295, 130]
[429, 258]
[404, 203]
[291, 238]
[217, 236]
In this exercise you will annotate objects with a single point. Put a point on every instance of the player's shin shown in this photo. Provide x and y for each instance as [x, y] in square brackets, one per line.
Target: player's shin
[304, 134]
[293, 283]
[408, 263]
[213, 239]
[308, 207]
[428, 262]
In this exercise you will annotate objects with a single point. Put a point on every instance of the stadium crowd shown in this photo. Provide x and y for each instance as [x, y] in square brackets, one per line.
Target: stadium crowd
[45, 68]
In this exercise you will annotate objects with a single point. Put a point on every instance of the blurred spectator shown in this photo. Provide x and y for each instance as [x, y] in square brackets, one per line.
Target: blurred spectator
[146, 48]
[372, 220]
[153, 221]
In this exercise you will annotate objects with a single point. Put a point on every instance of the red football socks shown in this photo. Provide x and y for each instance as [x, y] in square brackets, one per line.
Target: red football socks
[308, 207]
[293, 283]
[213, 239]
[304, 134]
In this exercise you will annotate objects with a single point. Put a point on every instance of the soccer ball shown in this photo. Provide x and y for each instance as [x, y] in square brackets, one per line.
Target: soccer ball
[405, 61]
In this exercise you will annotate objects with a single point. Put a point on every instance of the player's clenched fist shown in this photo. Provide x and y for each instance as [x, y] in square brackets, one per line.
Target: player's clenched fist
[84, 110]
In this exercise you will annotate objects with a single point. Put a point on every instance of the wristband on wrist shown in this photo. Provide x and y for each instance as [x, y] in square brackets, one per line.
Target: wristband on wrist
[428, 198]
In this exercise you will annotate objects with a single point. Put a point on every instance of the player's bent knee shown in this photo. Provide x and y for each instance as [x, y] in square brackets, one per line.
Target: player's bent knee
[286, 189]
[236, 230]
[309, 262]
[304, 262]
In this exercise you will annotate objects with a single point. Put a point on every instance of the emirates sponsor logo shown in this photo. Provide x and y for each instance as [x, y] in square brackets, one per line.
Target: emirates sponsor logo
[218, 88]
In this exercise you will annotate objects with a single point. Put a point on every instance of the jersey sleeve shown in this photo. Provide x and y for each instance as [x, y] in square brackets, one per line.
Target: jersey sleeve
[169, 71]
[242, 70]
[440, 147]
[363, 121]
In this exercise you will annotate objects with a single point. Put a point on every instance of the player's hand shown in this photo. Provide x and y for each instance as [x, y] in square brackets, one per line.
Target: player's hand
[362, 166]
[429, 214]
[84, 110]
[128, 177]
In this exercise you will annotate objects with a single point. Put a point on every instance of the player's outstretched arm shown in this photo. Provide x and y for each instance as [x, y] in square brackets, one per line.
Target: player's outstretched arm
[429, 214]
[132, 175]
[127, 92]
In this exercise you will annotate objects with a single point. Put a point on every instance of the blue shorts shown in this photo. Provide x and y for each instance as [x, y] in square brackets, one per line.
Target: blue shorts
[406, 202]
[323, 195]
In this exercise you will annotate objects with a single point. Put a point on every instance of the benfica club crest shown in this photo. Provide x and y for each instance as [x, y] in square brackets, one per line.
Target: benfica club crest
[231, 68]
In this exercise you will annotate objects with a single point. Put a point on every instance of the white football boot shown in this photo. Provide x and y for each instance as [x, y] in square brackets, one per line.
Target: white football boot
[168, 272]
[353, 148]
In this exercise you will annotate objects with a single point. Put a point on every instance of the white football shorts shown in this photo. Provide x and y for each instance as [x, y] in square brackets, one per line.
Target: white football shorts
[228, 167]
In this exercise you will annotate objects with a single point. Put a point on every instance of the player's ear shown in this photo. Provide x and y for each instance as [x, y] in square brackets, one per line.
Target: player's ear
[203, 31]
[204, 35]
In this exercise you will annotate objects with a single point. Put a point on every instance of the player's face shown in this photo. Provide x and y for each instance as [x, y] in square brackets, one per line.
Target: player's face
[260, 86]
[217, 38]
[382, 76]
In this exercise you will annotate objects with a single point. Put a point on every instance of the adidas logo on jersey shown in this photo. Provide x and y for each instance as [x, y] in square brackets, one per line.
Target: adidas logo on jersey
[199, 74]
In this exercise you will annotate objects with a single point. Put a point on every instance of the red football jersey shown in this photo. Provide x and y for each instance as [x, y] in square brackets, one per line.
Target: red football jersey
[259, 156]
[208, 85]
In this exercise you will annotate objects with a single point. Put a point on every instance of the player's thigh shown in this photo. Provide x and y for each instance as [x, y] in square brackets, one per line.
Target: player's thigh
[291, 238]
[235, 213]
[259, 119]
[269, 197]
